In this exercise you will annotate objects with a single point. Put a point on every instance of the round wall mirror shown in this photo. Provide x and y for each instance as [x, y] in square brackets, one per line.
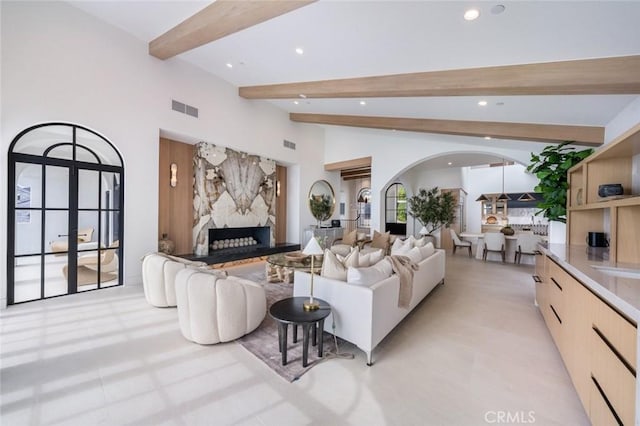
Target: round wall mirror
[322, 200]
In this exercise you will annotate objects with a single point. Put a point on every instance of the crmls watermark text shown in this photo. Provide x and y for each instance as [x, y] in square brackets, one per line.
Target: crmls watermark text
[510, 417]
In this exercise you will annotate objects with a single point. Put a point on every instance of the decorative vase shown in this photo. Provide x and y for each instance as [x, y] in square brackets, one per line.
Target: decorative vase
[165, 245]
[507, 230]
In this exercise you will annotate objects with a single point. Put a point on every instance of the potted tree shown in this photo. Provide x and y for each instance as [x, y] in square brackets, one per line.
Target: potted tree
[551, 168]
[433, 209]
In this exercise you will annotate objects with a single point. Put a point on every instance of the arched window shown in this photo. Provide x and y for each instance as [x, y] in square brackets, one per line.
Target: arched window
[396, 209]
[364, 207]
[65, 216]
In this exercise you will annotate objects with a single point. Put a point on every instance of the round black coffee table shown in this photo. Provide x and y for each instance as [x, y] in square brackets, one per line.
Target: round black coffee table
[290, 311]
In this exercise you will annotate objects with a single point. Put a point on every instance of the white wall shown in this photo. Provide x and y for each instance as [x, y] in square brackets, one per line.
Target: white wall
[393, 153]
[61, 64]
[625, 120]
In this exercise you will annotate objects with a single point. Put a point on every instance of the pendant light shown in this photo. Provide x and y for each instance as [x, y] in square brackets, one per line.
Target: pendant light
[526, 197]
[503, 196]
[482, 197]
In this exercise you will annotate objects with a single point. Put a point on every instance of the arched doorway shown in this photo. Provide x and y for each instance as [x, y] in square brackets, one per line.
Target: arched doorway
[65, 221]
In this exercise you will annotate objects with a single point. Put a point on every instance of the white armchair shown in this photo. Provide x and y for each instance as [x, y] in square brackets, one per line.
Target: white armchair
[494, 242]
[525, 244]
[457, 242]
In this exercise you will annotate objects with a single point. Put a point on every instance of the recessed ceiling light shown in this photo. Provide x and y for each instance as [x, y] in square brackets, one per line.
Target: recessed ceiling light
[296, 102]
[487, 137]
[471, 14]
[302, 95]
[299, 50]
[363, 103]
[449, 163]
[229, 65]
[482, 103]
[498, 9]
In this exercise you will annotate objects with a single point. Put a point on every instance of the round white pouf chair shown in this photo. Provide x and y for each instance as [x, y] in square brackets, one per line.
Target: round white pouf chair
[158, 277]
[214, 308]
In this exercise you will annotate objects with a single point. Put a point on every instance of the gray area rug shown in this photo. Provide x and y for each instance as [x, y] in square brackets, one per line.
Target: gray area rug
[263, 341]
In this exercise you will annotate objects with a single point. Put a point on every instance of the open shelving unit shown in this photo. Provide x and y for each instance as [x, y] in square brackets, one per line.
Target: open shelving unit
[619, 218]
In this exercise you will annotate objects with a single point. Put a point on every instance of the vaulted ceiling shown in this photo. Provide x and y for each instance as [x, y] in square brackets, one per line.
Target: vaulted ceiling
[546, 71]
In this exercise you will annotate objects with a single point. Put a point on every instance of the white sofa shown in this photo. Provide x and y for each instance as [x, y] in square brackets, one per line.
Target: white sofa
[365, 315]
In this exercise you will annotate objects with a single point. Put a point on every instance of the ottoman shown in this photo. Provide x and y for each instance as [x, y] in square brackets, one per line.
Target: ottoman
[213, 308]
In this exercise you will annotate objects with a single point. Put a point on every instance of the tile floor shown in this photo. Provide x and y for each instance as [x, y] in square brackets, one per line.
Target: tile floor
[475, 348]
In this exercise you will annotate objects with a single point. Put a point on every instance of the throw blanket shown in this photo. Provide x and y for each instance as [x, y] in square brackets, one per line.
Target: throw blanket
[404, 267]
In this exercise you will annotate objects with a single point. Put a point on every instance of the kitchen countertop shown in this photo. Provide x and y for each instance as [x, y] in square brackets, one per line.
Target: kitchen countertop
[621, 292]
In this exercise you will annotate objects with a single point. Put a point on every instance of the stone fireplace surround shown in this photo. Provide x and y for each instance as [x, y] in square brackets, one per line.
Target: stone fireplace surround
[263, 247]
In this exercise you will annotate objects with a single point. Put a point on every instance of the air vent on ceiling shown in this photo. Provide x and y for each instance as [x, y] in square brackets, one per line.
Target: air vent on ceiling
[289, 144]
[184, 108]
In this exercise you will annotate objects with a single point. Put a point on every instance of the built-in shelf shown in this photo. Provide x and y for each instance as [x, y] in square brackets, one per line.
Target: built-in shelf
[618, 218]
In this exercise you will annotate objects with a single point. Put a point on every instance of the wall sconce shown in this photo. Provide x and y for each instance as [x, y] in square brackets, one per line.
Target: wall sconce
[173, 181]
[277, 188]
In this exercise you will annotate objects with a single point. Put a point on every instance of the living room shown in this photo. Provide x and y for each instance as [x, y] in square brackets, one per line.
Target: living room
[61, 63]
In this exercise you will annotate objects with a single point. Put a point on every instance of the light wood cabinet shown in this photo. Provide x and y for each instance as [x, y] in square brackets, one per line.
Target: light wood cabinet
[598, 344]
[618, 217]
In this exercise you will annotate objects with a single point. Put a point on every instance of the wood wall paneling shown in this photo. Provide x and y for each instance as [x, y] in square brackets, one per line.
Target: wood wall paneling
[281, 204]
[175, 205]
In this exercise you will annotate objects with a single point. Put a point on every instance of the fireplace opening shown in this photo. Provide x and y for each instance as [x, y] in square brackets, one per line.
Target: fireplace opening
[232, 244]
[238, 240]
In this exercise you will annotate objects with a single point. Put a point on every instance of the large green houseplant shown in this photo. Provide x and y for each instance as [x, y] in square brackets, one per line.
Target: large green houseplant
[432, 208]
[551, 168]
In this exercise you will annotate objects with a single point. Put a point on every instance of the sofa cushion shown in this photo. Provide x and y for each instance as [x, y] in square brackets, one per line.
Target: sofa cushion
[335, 266]
[381, 241]
[350, 238]
[370, 258]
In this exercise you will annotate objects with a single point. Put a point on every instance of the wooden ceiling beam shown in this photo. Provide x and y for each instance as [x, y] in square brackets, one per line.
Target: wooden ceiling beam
[357, 172]
[348, 164]
[582, 135]
[616, 75]
[356, 177]
[219, 19]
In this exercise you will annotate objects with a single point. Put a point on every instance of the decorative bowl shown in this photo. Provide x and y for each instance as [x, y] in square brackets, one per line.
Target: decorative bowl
[295, 255]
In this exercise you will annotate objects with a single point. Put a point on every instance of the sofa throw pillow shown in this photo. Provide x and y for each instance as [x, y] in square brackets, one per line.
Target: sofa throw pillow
[380, 241]
[341, 249]
[350, 238]
[365, 276]
[370, 258]
[385, 266]
[420, 242]
[427, 250]
[401, 248]
[415, 255]
[335, 266]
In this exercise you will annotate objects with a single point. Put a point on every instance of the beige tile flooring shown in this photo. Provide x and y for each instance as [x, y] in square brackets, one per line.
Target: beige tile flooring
[474, 350]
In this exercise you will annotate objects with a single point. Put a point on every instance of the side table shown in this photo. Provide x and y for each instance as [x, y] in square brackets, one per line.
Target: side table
[290, 311]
